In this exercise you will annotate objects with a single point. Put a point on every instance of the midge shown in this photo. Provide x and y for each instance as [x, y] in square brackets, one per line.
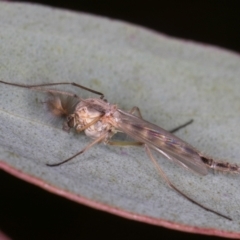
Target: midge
[100, 120]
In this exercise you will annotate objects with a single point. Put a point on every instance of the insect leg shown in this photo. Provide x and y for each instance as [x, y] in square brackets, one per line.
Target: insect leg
[124, 143]
[163, 175]
[181, 126]
[136, 109]
[41, 86]
[98, 140]
[89, 124]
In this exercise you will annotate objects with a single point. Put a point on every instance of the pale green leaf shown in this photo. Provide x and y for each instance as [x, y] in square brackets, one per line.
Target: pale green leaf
[171, 81]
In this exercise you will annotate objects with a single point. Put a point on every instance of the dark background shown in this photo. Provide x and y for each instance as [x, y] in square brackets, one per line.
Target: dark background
[28, 212]
[214, 22]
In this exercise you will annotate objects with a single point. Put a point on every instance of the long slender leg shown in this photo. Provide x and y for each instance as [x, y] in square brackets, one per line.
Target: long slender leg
[124, 143]
[89, 124]
[181, 126]
[163, 175]
[137, 109]
[98, 140]
[41, 88]
[54, 84]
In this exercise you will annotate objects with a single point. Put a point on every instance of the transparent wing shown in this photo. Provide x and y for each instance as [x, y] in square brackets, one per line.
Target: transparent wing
[162, 141]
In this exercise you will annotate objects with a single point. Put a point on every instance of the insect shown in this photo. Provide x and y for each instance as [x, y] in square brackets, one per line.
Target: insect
[101, 120]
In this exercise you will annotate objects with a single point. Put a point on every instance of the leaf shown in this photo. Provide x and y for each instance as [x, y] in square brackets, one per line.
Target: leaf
[172, 81]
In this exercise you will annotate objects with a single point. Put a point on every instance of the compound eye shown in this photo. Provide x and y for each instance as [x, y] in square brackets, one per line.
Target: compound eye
[70, 121]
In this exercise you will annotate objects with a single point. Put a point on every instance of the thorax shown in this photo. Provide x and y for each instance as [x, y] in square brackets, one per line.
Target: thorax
[102, 114]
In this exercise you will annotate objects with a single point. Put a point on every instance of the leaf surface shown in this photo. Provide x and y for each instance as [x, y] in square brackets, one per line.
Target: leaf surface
[172, 81]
